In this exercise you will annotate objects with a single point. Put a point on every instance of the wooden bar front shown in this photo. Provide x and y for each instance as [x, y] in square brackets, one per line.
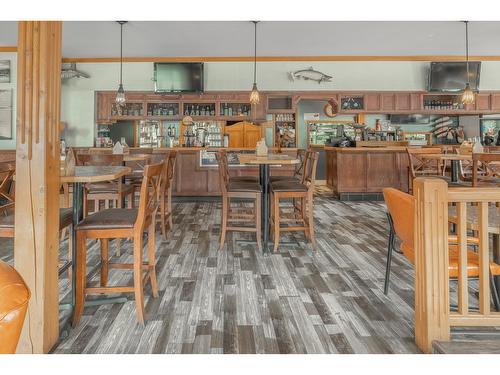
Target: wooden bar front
[357, 172]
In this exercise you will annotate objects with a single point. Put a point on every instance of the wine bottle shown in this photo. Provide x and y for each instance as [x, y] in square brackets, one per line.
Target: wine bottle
[230, 111]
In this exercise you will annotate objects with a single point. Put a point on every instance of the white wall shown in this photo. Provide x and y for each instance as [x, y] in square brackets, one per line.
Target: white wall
[10, 143]
[78, 94]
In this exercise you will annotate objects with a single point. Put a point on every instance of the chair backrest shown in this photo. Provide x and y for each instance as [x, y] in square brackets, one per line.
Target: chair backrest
[150, 191]
[310, 164]
[485, 168]
[423, 167]
[401, 207]
[172, 157]
[14, 298]
[100, 159]
[141, 150]
[299, 168]
[222, 162]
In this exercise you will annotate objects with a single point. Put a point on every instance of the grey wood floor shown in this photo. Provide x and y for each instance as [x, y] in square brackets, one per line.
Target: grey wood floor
[239, 301]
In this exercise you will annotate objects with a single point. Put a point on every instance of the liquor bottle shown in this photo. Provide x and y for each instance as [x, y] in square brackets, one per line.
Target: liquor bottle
[230, 111]
[207, 110]
[212, 111]
[226, 110]
[197, 111]
[170, 110]
[191, 110]
[186, 110]
[202, 112]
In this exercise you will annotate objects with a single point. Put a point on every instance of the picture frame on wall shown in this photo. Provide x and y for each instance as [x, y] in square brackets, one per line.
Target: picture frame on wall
[4, 71]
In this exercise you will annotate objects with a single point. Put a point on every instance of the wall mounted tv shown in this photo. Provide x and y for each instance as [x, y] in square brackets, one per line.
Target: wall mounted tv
[452, 76]
[178, 77]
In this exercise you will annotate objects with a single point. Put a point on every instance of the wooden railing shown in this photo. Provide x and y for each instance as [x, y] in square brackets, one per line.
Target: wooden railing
[470, 206]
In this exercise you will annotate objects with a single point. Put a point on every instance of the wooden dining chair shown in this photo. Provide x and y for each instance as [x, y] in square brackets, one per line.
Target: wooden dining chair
[303, 191]
[401, 214]
[486, 169]
[111, 192]
[419, 166]
[134, 179]
[233, 217]
[166, 206]
[141, 150]
[121, 223]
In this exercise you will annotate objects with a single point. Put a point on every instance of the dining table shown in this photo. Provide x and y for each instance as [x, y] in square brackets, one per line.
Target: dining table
[264, 162]
[81, 176]
[454, 160]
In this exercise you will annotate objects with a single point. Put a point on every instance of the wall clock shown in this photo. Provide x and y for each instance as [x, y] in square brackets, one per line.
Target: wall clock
[331, 108]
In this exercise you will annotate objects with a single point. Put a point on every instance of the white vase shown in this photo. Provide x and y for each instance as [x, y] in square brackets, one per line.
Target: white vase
[261, 148]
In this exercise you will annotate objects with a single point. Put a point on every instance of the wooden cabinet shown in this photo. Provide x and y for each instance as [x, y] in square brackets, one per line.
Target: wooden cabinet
[482, 102]
[388, 102]
[243, 134]
[495, 102]
[372, 101]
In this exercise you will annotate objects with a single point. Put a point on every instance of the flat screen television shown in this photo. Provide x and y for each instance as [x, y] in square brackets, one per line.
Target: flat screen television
[178, 77]
[452, 76]
[410, 119]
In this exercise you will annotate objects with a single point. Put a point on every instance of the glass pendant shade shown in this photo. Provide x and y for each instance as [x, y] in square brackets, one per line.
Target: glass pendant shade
[468, 95]
[120, 95]
[254, 95]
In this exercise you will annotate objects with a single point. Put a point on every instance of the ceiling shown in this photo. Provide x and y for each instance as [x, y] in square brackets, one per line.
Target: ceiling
[96, 39]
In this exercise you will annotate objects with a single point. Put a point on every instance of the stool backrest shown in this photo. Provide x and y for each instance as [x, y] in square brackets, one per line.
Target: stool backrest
[172, 157]
[299, 168]
[150, 190]
[100, 159]
[221, 157]
[141, 150]
[7, 171]
[485, 168]
[310, 164]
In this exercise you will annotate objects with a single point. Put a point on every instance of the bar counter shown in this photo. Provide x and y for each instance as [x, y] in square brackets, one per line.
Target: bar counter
[360, 173]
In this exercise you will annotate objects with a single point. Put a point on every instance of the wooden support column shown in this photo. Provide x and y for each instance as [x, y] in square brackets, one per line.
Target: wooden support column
[431, 262]
[36, 243]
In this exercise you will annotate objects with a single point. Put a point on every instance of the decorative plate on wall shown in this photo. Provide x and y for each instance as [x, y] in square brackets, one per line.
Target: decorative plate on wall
[331, 108]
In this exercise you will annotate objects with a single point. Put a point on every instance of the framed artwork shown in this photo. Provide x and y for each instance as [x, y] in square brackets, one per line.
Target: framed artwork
[4, 71]
[5, 114]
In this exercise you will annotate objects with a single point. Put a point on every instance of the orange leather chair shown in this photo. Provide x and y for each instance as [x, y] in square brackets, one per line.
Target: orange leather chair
[401, 214]
[14, 297]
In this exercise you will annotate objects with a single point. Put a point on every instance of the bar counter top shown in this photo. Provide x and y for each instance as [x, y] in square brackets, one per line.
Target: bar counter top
[367, 149]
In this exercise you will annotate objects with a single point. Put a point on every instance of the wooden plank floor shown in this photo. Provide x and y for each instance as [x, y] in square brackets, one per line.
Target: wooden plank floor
[239, 301]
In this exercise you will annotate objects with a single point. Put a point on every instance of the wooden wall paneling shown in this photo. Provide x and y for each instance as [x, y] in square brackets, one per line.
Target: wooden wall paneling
[483, 102]
[431, 262]
[495, 102]
[36, 243]
[251, 134]
[402, 165]
[353, 177]
[403, 101]
[417, 103]
[381, 171]
[387, 102]
[372, 102]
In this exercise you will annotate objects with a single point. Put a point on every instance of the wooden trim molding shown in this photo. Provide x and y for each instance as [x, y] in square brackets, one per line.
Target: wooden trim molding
[8, 49]
[279, 58]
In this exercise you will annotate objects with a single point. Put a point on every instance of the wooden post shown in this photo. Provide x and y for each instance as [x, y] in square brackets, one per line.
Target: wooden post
[36, 243]
[431, 262]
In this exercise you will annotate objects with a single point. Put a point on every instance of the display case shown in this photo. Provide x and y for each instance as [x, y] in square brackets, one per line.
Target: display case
[285, 130]
[320, 133]
[150, 133]
[163, 109]
[235, 109]
[127, 110]
[200, 109]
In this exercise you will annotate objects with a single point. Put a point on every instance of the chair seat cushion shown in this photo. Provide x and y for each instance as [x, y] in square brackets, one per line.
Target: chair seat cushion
[244, 186]
[244, 179]
[113, 218]
[283, 178]
[288, 186]
[65, 219]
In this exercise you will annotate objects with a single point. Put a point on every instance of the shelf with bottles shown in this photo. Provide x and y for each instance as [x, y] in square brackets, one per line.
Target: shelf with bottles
[199, 109]
[284, 117]
[209, 133]
[127, 110]
[163, 109]
[148, 133]
[235, 110]
[443, 103]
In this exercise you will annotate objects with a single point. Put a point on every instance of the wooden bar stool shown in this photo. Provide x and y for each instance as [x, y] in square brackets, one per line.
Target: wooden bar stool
[237, 189]
[108, 192]
[121, 223]
[302, 216]
[166, 206]
[298, 173]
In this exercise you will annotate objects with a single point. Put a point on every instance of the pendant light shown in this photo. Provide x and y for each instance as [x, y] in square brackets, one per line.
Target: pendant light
[120, 94]
[468, 94]
[254, 95]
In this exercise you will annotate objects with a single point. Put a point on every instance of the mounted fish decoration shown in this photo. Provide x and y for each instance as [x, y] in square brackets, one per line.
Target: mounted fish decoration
[310, 75]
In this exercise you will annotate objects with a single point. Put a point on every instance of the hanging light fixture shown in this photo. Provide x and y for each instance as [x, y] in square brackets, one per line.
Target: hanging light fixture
[468, 94]
[254, 95]
[120, 94]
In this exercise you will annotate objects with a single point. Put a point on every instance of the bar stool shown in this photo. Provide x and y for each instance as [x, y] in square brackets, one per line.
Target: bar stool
[166, 207]
[298, 173]
[121, 223]
[302, 216]
[108, 192]
[238, 189]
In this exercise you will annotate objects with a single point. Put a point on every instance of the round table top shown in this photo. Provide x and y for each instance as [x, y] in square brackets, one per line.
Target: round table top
[446, 156]
[272, 159]
[96, 174]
